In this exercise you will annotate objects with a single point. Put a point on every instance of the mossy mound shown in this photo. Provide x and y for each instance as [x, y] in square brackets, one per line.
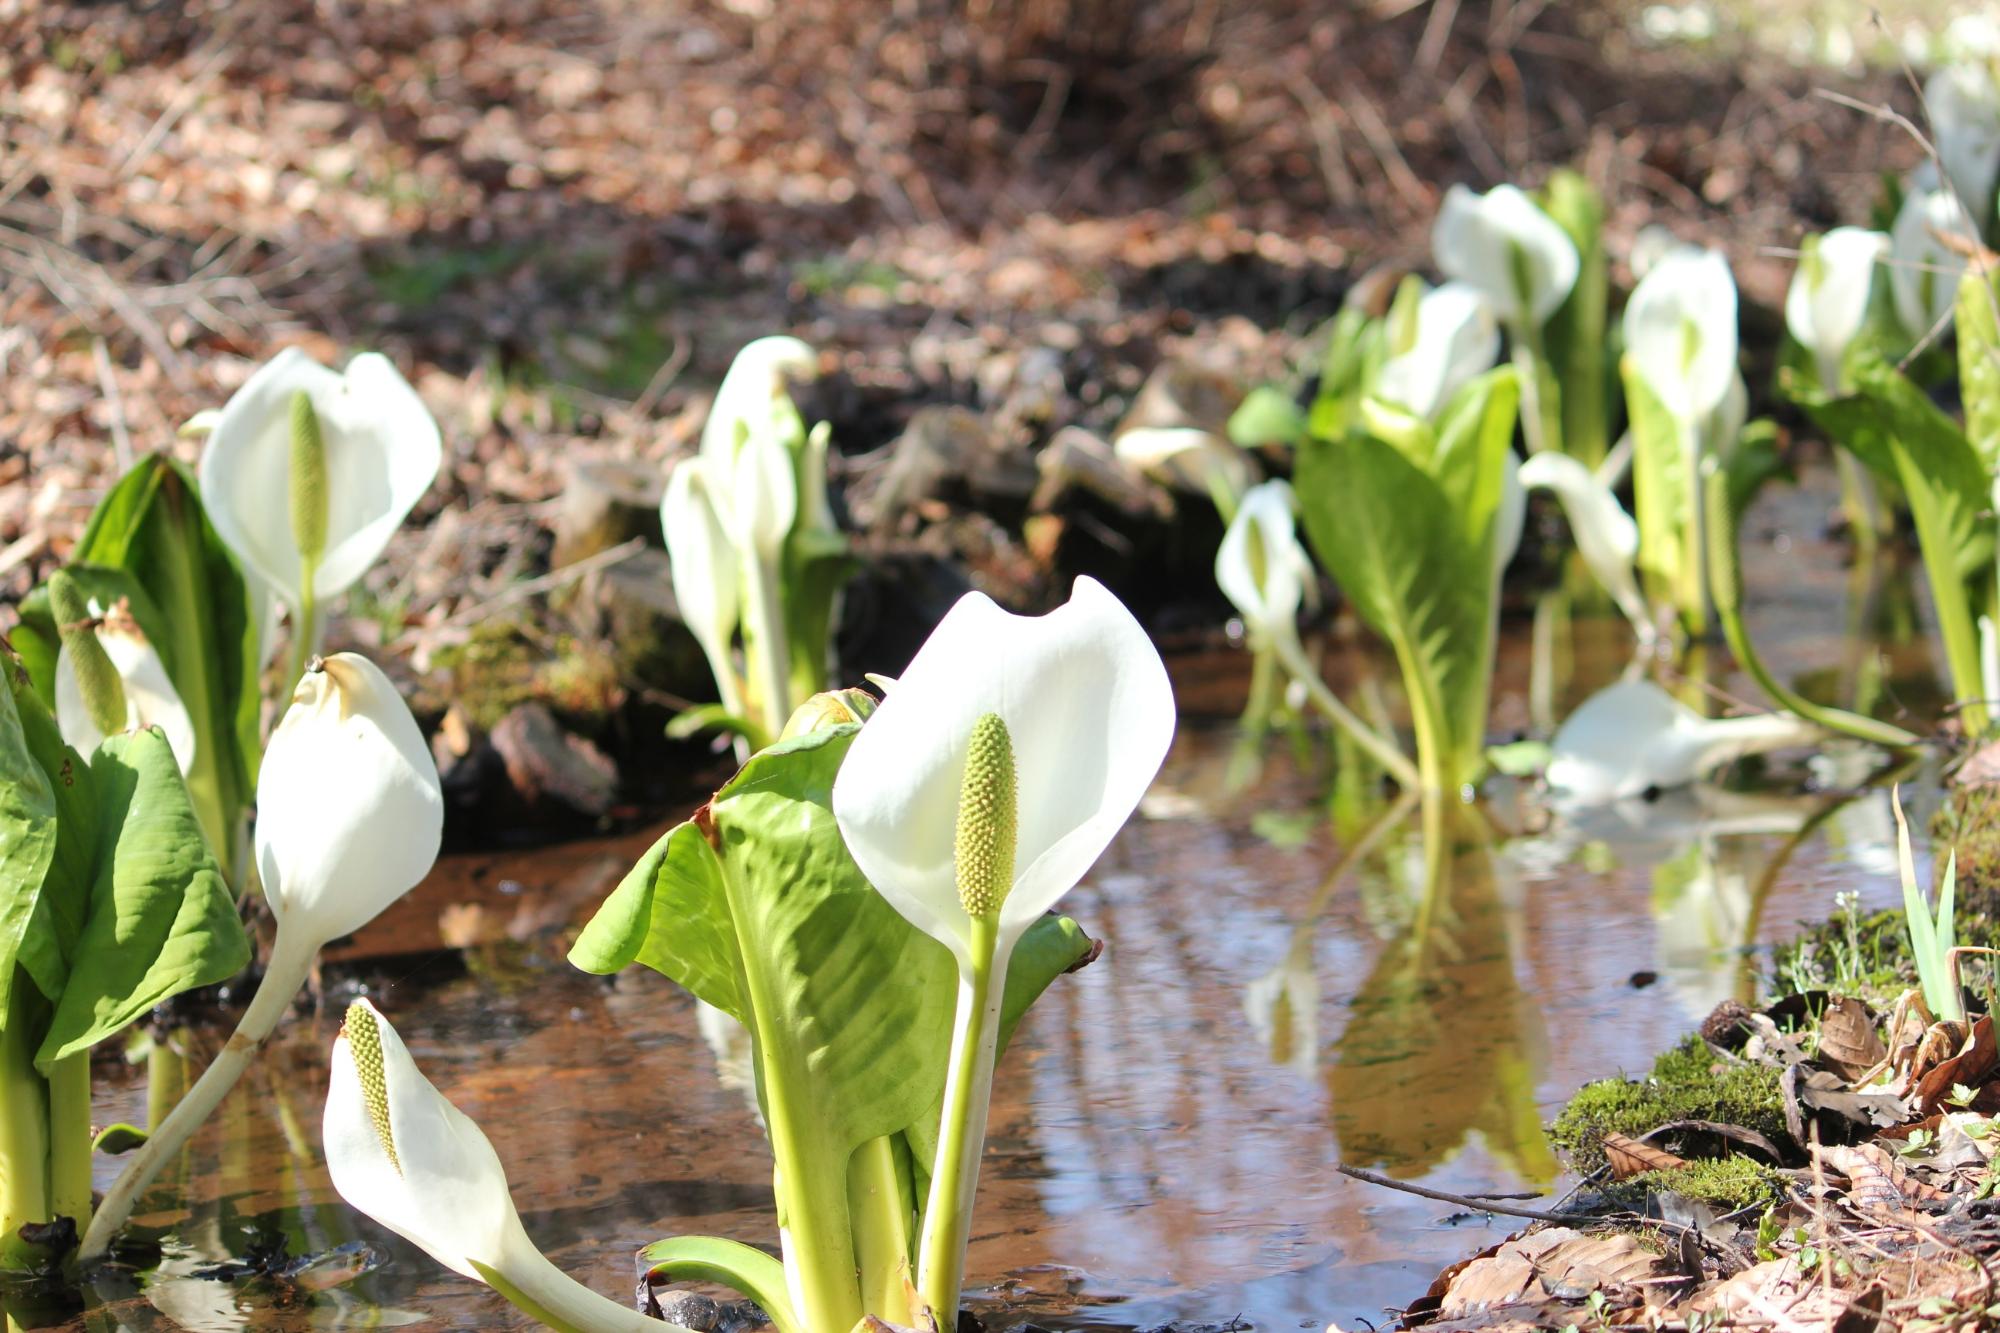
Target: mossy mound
[504, 664]
[1968, 823]
[1725, 1184]
[1689, 1082]
[1866, 956]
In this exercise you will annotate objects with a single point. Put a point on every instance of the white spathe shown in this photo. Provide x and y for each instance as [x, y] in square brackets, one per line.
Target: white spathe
[751, 391]
[445, 1190]
[700, 558]
[1827, 302]
[1503, 245]
[349, 810]
[1680, 331]
[383, 451]
[1928, 248]
[1457, 340]
[1090, 713]
[150, 697]
[1606, 536]
[1188, 458]
[1260, 565]
[1963, 102]
[1633, 737]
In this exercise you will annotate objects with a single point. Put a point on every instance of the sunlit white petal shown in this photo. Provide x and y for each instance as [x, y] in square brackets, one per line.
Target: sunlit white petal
[1188, 458]
[699, 557]
[1506, 247]
[1828, 300]
[1680, 331]
[150, 697]
[1633, 737]
[1928, 248]
[1458, 340]
[1963, 102]
[1271, 596]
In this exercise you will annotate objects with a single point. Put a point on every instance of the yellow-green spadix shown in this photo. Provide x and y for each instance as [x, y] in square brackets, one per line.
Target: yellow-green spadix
[1087, 713]
[400, 1152]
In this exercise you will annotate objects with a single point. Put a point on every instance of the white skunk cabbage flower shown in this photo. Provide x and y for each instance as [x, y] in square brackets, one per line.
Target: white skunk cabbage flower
[1503, 245]
[135, 689]
[1633, 738]
[380, 453]
[349, 810]
[1963, 102]
[1928, 248]
[700, 559]
[763, 495]
[1260, 566]
[1606, 536]
[1827, 302]
[1456, 340]
[753, 387]
[1188, 458]
[1680, 331]
[398, 1151]
[1087, 711]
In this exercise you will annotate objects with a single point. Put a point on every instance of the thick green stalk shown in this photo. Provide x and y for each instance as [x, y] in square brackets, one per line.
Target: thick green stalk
[1541, 400]
[768, 659]
[24, 1127]
[1961, 642]
[962, 1133]
[291, 960]
[882, 1214]
[70, 1139]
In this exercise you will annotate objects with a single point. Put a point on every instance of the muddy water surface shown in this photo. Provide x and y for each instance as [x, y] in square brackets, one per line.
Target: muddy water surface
[1284, 987]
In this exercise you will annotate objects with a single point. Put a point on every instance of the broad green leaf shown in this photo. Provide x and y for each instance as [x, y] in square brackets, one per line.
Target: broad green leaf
[1979, 365]
[1474, 437]
[1661, 487]
[62, 900]
[27, 828]
[1388, 534]
[152, 524]
[1934, 457]
[162, 920]
[670, 912]
[1576, 336]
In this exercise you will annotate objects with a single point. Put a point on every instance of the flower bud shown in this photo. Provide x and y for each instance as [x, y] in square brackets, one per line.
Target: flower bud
[103, 694]
[828, 708]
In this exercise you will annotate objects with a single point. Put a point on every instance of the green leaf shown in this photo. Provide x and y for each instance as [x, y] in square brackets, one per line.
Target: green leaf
[1470, 459]
[61, 901]
[1979, 365]
[27, 827]
[1661, 489]
[1389, 535]
[152, 524]
[671, 913]
[1576, 336]
[1267, 415]
[162, 920]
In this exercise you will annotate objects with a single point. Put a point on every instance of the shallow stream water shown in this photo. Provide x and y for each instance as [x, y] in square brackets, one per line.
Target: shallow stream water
[1166, 1125]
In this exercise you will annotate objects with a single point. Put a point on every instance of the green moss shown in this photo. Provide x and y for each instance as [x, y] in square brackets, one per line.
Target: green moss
[502, 665]
[1969, 823]
[1869, 956]
[1725, 1183]
[1687, 1083]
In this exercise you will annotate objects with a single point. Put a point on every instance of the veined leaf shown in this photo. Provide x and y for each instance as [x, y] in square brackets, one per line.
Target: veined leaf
[1470, 460]
[27, 827]
[1389, 535]
[61, 901]
[162, 920]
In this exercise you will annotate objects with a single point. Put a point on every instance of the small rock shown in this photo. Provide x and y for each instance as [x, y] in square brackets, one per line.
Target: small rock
[546, 762]
[1182, 394]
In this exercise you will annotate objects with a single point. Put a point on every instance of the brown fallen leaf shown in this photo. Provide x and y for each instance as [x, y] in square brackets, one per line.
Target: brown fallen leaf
[1629, 1157]
[1558, 1262]
[1974, 1063]
[1848, 1039]
[1876, 1180]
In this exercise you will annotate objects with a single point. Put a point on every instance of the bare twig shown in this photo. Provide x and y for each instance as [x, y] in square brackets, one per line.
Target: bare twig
[1463, 1200]
[121, 438]
[555, 578]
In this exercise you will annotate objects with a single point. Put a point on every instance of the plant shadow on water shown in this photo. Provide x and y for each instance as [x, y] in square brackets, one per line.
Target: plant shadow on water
[1289, 981]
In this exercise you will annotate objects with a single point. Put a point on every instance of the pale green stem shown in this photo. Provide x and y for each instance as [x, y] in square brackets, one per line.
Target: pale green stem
[1961, 643]
[305, 640]
[70, 1139]
[1263, 698]
[769, 659]
[534, 1285]
[1383, 750]
[881, 1214]
[732, 1264]
[1691, 587]
[968, 1088]
[1541, 419]
[24, 1128]
[291, 960]
[1862, 505]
